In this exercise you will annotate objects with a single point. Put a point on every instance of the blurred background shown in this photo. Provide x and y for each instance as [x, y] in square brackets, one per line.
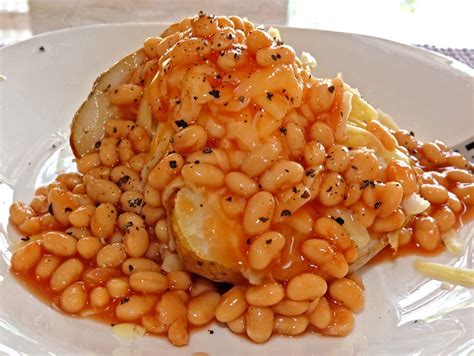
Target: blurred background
[437, 24]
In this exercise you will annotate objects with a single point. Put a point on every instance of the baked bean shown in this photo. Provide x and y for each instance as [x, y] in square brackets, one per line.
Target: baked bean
[108, 152]
[88, 161]
[179, 280]
[201, 309]
[337, 267]
[150, 46]
[70, 180]
[458, 176]
[240, 184]
[81, 217]
[389, 196]
[401, 172]
[348, 293]
[190, 139]
[465, 192]
[204, 25]
[317, 251]
[406, 139]
[270, 56]
[383, 134]
[67, 272]
[26, 258]
[152, 196]
[434, 153]
[258, 39]
[454, 203]
[332, 231]
[46, 266]
[73, 298]
[137, 162]
[59, 244]
[232, 205]
[77, 232]
[290, 325]
[103, 220]
[168, 168]
[321, 97]
[148, 282]
[136, 241]
[178, 333]
[295, 139]
[314, 153]
[332, 189]
[322, 314]
[264, 249]
[30, 226]
[103, 191]
[456, 159]
[259, 323]
[152, 214]
[117, 287]
[79, 189]
[189, 50]
[290, 307]
[111, 255]
[338, 158]
[129, 220]
[125, 178]
[260, 159]
[392, 222]
[342, 323]
[258, 213]
[39, 204]
[445, 218]
[125, 94]
[88, 247]
[353, 194]
[306, 286]
[426, 232]
[281, 175]
[139, 264]
[363, 214]
[171, 308]
[363, 167]
[434, 193]
[203, 174]
[134, 307]
[265, 295]
[99, 297]
[61, 204]
[404, 236]
[322, 133]
[132, 201]
[232, 305]
[237, 325]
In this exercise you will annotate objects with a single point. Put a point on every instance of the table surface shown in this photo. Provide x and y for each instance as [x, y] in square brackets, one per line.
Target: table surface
[441, 23]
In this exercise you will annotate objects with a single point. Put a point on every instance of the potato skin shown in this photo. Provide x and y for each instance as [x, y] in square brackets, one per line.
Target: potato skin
[87, 126]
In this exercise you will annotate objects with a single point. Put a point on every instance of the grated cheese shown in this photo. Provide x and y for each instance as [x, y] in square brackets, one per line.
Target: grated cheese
[454, 275]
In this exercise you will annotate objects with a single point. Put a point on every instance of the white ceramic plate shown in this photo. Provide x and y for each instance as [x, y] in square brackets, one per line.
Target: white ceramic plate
[404, 313]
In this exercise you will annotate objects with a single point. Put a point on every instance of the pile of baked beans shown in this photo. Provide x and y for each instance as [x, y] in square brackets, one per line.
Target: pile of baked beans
[250, 124]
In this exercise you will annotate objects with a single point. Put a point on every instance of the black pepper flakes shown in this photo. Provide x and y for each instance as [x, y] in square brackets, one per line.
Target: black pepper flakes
[339, 220]
[123, 180]
[283, 130]
[229, 199]
[268, 242]
[173, 164]
[97, 144]
[305, 195]
[263, 219]
[135, 203]
[42, 49]
[285, 212]
[207, 150]
[124, 300]
[269, 96]
[310, 173]
[67, 210]
[215, 93]
[248, 241]
[130, 268]
[366, 183]
[50, 209]
[377, 204]
[211, 331]
[181, 124]
[241, 99]
[197, 161]
[331, 89]
[26, 238]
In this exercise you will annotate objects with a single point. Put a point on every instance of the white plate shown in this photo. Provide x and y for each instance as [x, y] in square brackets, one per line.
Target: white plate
[404, 313]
